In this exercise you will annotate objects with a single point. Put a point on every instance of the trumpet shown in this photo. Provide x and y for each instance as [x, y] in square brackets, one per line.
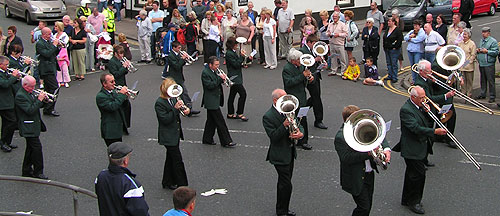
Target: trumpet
[49, 98]
[286, 105]
[33, 61]
[189, 59]
[22, 73]
[130, 66]
[364, 131]
[426, 106]
[132, 94]
[227, 81]
[175, 91]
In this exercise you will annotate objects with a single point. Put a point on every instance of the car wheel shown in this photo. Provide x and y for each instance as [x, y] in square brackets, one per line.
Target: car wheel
[29, 21]
[7, 11]
[492, 10]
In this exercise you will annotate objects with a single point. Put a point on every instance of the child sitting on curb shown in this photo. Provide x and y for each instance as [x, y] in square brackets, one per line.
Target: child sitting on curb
[352, 72]
[371, 74]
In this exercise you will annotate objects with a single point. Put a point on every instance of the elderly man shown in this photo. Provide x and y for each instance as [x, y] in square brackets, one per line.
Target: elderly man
[156, 17]
[199, 9]
[48, 52]
[336, 8]
[118, 192]
[68, 29]
[98, 21]
[416, 134]
[487, 51]
[282, 152]
[432, 43]
[7, 82]
[337, 31]
[453, 29]
[429, 19]
[30, 125]
[144, 35]
[377, 16]
[285, 29]
[295, 79]
[356, 168]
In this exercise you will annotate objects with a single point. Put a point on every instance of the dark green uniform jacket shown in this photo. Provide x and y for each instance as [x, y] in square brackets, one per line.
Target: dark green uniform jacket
[294, 82]
[116, 68]
[169, 122]
[282, 149]
[112, 116]
[28, 114]
[213, 96]
[47, 58]
[429, 91]
[352, 164]
[16, 64]
[438, 90]
[6, 90]
[175, 64]
[233, 65]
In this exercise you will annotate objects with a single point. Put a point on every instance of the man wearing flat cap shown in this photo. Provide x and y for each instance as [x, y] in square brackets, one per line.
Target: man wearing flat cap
[487, 53]
[118, 193]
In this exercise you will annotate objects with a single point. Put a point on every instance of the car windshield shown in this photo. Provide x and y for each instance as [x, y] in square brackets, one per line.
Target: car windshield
[408, 3]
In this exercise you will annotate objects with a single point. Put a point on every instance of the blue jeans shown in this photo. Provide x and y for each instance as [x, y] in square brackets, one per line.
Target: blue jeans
[430, 56]
[165, 70]
[101, 5]
[391, 58]
[118, 7]
[414, 58]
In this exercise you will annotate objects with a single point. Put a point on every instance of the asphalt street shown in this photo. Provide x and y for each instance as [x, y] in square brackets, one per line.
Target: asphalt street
[74, 153]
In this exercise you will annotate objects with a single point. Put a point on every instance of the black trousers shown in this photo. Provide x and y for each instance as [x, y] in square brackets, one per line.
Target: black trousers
[413, 187]
[112, 35]
[111, 141]
[185, 96]
[50, 83]
[173, 170]
[205, 47]
[9, 125]
[127, 110]
[236, 89]
[33, 157]
[364, 199]
[210, 49]
[284, 187]
[303, 122]
[450, 124]
[315, 100]
[215, 120]
[191, 47]
[261, 49]
[371, 54]
[466, 18]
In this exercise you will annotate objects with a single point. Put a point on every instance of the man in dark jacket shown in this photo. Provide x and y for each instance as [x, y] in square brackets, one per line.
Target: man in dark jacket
[118, 192]
[356, 168]
[282, 152]
[109, 102]
[119, 71]
[466, 8]
[7, 82]
[48, 52]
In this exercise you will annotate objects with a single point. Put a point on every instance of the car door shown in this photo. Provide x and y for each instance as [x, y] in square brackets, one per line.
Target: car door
[18, 8]
[436, 7]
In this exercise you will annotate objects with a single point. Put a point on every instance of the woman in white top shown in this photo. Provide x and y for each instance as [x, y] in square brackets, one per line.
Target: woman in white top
[214, 37]
[205, 28]
[269, 37]
[228, 26]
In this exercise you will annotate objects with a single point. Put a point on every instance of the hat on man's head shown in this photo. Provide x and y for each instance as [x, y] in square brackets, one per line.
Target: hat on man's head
[171, 25]
[118, 150]
[486, 29]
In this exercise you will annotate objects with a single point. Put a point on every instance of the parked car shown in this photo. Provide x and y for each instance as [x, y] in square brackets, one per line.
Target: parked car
[35, 10]
[409, 10]
[480, 6]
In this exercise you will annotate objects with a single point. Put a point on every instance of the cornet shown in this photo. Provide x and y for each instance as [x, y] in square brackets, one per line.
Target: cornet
[227, 81]
[49, 98]
[189, 59]
[175, 91]
[33, 61]
[286, 105]
[132, 94]
[130, 66]
[23, 74]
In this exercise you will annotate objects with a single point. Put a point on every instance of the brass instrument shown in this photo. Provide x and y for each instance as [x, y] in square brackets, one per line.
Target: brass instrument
[130, 66]
[227, 81]
[22, 73]
[34, 62]
[175, 91]
[287, 104]
[63, 40]
[426, 106]
[189, 59]
[49, 98]
[307, 60]
[132, 94]
[364, 131]
[320, 48]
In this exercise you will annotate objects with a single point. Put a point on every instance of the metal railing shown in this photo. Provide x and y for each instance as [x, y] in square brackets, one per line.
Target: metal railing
[74, 188]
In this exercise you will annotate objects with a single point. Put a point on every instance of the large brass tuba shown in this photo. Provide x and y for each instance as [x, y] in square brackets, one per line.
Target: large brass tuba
[364, 131]
[287, 104]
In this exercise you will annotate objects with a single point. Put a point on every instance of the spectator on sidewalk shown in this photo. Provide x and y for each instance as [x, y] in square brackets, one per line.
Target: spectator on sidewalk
[337, 31]
[182, 7]
[178, 20]
[487, 53]
[415, 39]
[167, 12]
[98, 21]
[469, 48]
[429, 19]
[269, 38]
[228, 26]
[377, 16]
[84, 9]
[205, 29]
[12, 39]
[392, 40]
[352, 33]
[192, 30]
[460, 30]
[371, 41]
[78, 38]
[285, 29]
[246, 29]
[89, 45]
[123, 42]
[36, 33]
[453, 29]
[432, 43]
[441, 26]
[336, 8]
[167, 47]
[110, 21]
[144, 29]
[156, 16]
[199, 9]
[307, 13]
[3, 40]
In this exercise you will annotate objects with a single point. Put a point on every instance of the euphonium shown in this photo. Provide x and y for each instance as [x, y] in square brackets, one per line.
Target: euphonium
[175, 91]
[364, 131]
[227, 81]
[287, 104]
[320, 48]
[307, 60]
[132, 94]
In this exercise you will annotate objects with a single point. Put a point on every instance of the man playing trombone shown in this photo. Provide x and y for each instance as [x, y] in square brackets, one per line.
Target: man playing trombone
[7, 83]
[176, 62]
[110, 103]
[416, 133]
[119, 69]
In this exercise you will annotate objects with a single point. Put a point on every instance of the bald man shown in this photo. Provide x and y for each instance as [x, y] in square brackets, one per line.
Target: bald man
[416, 134]
[281, 151]
[30, 125]
[47, 68]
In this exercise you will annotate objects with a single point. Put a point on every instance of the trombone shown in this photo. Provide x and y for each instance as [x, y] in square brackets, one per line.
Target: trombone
[227, 81]
[286, 105]
[132, 94]
[175, 91]
[49, 98]
[130, 66]
[189, 59]
[426, 106]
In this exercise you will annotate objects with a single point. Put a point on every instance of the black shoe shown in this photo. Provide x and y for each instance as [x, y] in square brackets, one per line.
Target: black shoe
[491, 100]
[479, 97]
[404, 203]
[291, 213]
[27, 175]
[5, 148]
[230, 145]
[41, 176]
[52, 113]
[142, 61]
[209, 143]
[417, 208]
[194, 112]
[171, 187]
[429, 164]
[320, 125]
[12, 146]
[451, 144]
[306, 146]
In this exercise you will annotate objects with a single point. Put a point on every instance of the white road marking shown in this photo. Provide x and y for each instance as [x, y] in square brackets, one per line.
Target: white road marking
[481, 163]
[257, 132]
[488, 23]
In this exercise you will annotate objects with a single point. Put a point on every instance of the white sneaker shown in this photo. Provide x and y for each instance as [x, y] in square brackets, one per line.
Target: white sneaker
[41, 86]
[187, 64]
[272, 67]
[66, 85]
[267, 66]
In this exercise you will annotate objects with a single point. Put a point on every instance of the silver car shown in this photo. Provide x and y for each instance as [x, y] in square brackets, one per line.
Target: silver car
[36, 10]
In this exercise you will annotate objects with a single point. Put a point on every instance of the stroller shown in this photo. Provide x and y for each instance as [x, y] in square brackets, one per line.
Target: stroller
[104, 50]
[159, 58]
